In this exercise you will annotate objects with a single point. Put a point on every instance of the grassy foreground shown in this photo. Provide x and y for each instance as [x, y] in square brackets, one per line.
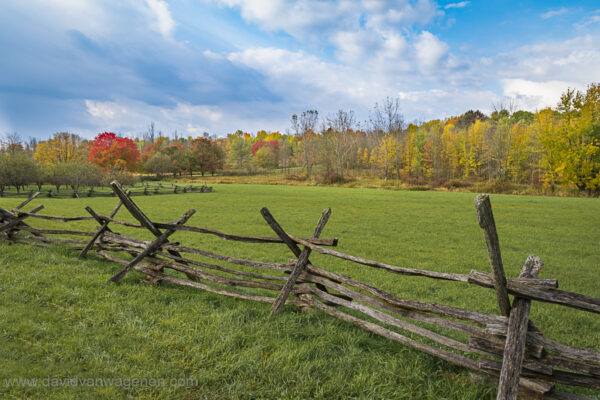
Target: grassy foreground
[60, 319]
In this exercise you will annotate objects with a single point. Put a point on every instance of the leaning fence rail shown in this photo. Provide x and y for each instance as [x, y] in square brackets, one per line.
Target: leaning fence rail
[508, 347]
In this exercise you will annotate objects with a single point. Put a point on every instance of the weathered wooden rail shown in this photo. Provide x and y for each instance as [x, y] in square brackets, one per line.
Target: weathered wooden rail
[508, 348]
[134, 191]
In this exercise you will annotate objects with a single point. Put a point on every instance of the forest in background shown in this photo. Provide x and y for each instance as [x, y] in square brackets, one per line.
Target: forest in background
[552, 149]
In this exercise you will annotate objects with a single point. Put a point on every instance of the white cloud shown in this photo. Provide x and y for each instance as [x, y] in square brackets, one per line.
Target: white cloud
[307, 82]
[461, 4]
[355, 46]
[420, 13]
[536, 95]
[373, 51]
[162, 21]
[298, 18]
[535, 76]
[129, 115]
[195, 130]
[573, 60]
[132, 117]
[297, 74]
[96, 19]
[532, 76]
[187, 111]
[430, 52]
[554, 13]
[103, 111]
[442, 103]
[314, 18]
[589, 20]
[381, 49]
[82, 15]
[212, 54]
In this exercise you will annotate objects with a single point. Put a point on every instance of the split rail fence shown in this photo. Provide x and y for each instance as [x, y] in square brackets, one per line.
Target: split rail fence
[145, 190]
[508, 348]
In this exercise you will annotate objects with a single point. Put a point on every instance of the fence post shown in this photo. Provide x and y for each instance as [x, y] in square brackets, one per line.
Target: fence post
[11, 224]
[103, 227]
[23, 204]
[141, 217]
[485, 217]
[514, 347]
[300, 263]
[152, 247]
[7, 215]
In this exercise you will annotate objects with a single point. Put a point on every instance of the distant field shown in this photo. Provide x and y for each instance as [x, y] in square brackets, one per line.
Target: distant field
[358, 179]
[59, 317]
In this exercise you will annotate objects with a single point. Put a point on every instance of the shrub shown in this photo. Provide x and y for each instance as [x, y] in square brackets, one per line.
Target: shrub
[17, 170]
[295, 177]
[496, 186]
[417, 187]
[159, 164]
[332, 178]
[456, 184]
[123, 177]
[266, 157]
[415, 181]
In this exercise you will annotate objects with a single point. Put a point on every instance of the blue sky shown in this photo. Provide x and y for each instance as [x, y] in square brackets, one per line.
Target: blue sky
[88, 66]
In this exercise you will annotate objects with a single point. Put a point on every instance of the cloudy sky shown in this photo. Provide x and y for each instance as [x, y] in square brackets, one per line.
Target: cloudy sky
[88, 66]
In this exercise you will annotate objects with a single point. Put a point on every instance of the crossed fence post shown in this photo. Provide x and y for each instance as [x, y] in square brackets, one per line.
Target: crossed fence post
[13, 219]
[301, 254]
[518, 313]
[161, 238]
[103, 227]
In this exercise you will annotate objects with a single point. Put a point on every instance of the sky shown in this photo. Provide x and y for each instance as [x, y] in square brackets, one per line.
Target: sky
[216, 66]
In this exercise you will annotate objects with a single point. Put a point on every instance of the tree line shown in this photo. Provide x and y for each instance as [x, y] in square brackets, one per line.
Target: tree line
[553, 147]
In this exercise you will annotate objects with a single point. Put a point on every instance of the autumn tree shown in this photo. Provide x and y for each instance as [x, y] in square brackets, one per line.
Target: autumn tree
[80, 173]
[175, 150]
[266, 153]
[272, 144]
[18, 170]
[159, 164]
[108, 150]
[580, 132]
[208, 155]
[266, 157]
[341, 137]
[286, 151]
[240, 150]
[11, 144]
[63, 147]
[304, 126]
[188, 162]
[387, 122]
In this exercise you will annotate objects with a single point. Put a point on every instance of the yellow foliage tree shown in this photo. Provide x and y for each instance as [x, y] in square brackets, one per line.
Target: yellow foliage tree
[63, 147]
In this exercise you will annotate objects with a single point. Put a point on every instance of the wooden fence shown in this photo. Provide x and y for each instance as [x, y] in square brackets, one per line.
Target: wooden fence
[508, 348]
[143, 190]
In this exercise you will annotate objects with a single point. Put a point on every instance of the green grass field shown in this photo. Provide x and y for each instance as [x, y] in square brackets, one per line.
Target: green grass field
[59, 317]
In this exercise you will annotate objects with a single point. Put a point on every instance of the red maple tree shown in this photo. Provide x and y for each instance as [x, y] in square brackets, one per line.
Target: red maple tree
[272, 144]
[109, 150]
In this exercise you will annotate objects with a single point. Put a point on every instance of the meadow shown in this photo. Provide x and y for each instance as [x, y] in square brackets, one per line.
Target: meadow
[59, 317]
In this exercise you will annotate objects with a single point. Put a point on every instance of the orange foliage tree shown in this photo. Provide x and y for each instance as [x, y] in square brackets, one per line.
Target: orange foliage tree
[111, 151]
